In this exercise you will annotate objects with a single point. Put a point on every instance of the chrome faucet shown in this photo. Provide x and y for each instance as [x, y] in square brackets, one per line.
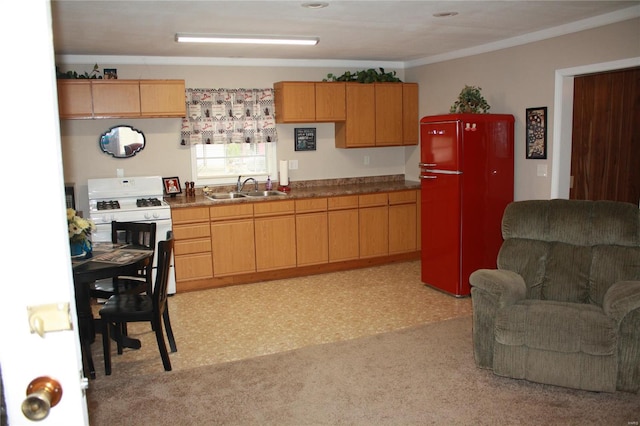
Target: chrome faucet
[240, 185]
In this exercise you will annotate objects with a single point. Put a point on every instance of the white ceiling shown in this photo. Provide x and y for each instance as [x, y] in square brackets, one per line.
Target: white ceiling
[397, 32]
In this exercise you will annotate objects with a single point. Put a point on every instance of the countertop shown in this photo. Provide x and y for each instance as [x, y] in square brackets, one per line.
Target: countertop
[304, 189]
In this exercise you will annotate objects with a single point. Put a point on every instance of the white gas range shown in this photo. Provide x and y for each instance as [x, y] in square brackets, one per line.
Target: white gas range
[131, 199]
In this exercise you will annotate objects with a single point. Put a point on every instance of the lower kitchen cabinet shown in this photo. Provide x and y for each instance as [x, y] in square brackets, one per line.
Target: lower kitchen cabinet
[374, 225]
[192, 247]
[403, 234]
[233, 247]
[312, 243]
[232, 239]
[342, 224]
[275, 235]
[244, 242]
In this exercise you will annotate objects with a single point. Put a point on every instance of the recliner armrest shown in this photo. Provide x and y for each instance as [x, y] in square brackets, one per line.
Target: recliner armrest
[621, 298]
[507, 286]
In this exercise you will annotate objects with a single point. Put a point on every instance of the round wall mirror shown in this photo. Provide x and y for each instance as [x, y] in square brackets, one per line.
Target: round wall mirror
[122, 141]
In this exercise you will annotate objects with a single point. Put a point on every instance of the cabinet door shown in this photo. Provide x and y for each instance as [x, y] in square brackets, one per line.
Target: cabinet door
[113, 98]
[388, 114]
[359, 129]
[232, 244]
[343, 235]
[162, 98]
[74, 99]
[402, 228]
[410, 119]
[374, 224]
[330, 101]
[312, 244]
[295, 101]
[275, 242]
[193, 267]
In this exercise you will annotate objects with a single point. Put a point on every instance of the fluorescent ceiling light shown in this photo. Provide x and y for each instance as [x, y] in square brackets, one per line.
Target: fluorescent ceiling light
[237, 39]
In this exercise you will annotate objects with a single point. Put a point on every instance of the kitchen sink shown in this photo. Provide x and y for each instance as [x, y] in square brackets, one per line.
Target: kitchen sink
[264, 193]
[230, 195]
[225, 195]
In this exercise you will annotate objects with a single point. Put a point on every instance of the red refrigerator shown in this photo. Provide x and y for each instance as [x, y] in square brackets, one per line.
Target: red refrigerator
[466, 174]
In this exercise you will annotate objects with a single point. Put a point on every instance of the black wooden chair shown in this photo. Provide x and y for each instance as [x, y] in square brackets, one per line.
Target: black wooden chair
[120, 309]
[137, 234]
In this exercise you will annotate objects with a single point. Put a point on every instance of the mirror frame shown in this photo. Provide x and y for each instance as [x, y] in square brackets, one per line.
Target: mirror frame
[114, 132]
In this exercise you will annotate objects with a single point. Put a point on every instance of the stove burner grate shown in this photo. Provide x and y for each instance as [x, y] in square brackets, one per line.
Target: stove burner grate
[108, 205]
[148, 202]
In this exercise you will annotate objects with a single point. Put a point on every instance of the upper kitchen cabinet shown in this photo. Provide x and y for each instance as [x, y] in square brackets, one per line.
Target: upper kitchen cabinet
[121, 98]
[162, 98]
[309, 102]
[388, 114]
[359, 129]
[379, 114]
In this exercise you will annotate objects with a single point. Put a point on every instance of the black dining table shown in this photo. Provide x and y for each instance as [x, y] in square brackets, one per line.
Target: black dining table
[106, 261]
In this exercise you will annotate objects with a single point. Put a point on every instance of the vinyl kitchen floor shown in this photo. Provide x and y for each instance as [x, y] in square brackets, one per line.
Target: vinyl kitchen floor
[231, 323]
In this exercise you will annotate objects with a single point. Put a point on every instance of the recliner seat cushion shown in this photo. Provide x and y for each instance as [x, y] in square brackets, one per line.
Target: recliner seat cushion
[557, 326]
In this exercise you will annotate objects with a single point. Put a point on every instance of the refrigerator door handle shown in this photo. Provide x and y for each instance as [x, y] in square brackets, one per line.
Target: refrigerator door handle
[427, 164]
[442, 172]
[428, 177]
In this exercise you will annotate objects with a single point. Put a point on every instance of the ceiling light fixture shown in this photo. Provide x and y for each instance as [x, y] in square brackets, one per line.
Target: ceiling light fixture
[444, 14]
[244, 39]
[315, 5]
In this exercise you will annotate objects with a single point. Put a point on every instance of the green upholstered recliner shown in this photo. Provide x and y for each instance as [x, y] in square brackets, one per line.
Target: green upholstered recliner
[563, 307]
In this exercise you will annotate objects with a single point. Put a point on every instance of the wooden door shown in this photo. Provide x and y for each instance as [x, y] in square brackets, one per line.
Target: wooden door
[605, 150]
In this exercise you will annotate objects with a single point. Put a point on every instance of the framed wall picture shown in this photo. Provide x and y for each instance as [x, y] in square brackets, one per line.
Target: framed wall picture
[305, 139]
[536, 133]
[110, 74]
[172, 186]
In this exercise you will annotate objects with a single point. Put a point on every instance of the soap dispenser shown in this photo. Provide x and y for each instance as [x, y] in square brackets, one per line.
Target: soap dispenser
[269, 185]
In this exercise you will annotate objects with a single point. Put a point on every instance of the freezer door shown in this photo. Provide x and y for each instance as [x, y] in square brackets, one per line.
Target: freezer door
[440, 146]
[441, 236]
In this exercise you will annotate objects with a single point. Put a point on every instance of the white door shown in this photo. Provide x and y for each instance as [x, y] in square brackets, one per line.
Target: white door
[35, 258]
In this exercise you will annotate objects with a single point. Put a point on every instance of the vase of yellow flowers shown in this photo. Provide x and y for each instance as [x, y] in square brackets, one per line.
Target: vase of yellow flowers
[79, 233]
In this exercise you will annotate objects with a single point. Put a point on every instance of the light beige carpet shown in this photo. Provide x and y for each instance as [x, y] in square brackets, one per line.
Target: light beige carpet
[420, 375]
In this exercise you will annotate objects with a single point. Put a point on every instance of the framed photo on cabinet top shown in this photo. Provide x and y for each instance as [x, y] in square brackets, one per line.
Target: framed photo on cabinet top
[536, 138]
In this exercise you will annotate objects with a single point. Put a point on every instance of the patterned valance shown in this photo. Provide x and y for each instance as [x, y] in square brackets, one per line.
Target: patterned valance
[228, 116]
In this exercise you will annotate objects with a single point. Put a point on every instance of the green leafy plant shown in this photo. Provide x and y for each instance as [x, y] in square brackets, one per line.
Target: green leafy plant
[470, 100]
[94, 74]
[365, 76]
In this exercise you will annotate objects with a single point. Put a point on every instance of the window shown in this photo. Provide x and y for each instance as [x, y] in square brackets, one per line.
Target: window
[217, 164]
[232, 133]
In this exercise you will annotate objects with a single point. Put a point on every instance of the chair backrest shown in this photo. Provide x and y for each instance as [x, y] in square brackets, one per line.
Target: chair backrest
[136, 233]
[160, 289]
[571, 250]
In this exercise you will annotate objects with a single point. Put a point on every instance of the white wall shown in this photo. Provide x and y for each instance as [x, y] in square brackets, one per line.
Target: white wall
[511, 79]
[518, 78]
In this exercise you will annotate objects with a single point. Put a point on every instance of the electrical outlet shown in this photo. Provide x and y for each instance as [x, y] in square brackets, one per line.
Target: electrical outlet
[119, 172]
[542, 170]
[293, 164]
[367, 160]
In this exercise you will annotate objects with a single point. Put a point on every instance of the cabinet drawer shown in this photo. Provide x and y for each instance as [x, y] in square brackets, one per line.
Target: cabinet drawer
[369, 200]
[196, 214]
[202, 245]
[402, 197]
[196, 230]
[193, 267]
[342, 203]
[311, 205]
[274, 208]
[233, 211]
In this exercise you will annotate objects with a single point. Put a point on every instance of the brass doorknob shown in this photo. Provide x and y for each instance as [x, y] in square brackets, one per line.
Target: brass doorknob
[42, 394]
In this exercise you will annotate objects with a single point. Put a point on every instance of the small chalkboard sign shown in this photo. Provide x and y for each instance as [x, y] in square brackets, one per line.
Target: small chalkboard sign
[305, 139]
